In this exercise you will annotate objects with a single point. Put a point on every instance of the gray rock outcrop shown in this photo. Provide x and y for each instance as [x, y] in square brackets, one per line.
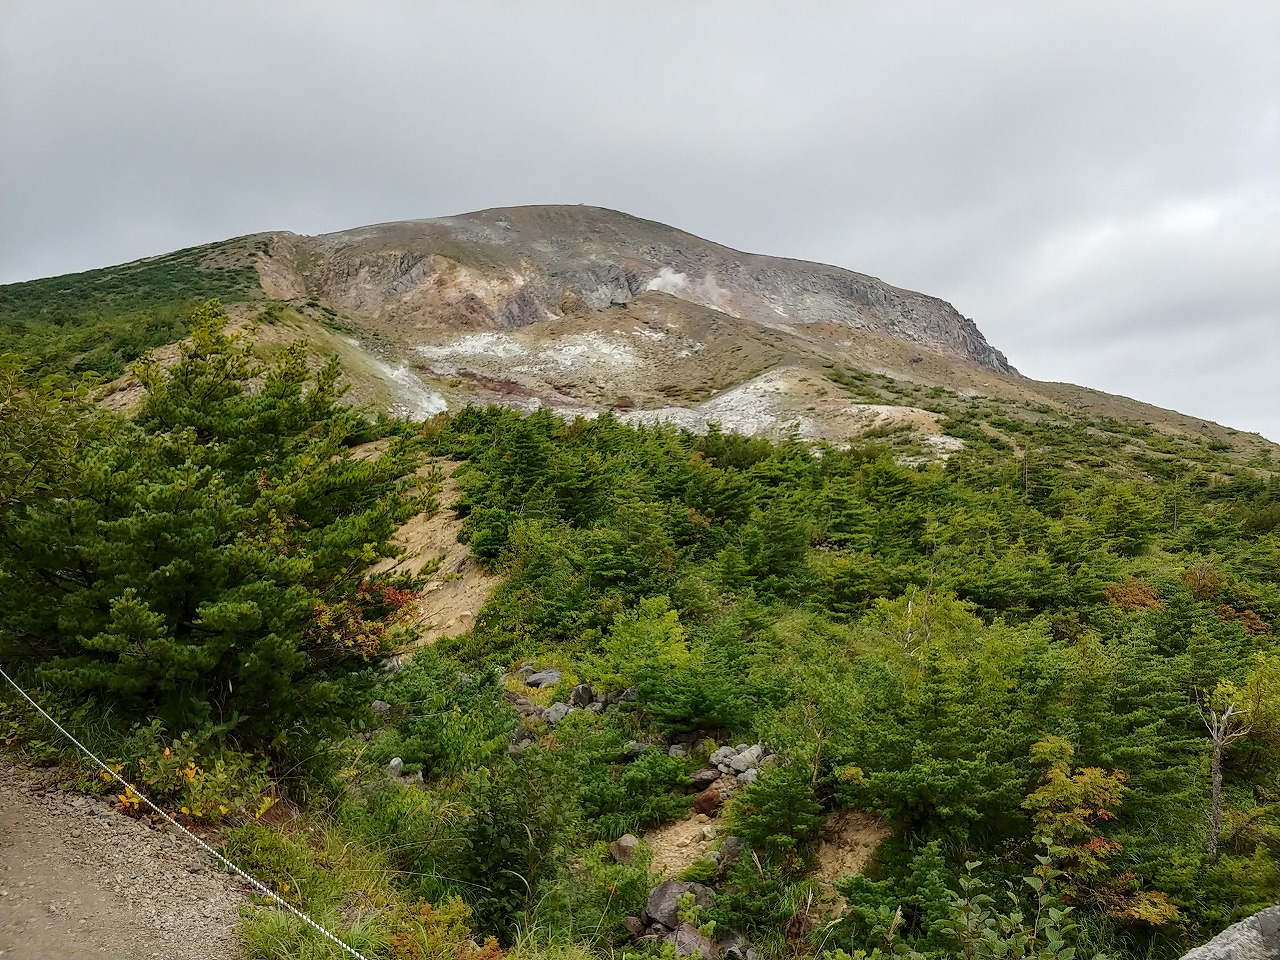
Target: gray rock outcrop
[663, 905]
[1257, 938]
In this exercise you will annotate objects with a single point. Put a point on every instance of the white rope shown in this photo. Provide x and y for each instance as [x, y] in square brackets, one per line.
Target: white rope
[130, 788]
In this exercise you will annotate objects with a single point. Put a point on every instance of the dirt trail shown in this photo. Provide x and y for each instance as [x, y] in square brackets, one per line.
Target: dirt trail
[79, 880]
[681, 844]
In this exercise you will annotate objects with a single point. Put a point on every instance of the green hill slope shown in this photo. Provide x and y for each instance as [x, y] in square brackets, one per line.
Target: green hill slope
[101, 320]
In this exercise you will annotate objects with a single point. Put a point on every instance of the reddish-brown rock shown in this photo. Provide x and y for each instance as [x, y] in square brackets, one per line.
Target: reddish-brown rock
[708, 801]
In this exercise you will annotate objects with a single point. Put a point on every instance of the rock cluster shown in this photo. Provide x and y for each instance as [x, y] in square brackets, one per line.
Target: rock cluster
[581, 697]
[731, 768]
[661, 921]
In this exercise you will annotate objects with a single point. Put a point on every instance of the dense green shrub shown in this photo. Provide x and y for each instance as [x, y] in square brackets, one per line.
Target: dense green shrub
[204, 562]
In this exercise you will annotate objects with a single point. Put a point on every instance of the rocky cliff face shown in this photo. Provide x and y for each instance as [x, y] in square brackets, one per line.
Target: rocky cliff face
[511, 268]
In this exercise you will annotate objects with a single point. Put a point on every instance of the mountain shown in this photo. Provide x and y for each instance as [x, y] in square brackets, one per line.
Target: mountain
[509, 268]
[579, 309]
[766, 667]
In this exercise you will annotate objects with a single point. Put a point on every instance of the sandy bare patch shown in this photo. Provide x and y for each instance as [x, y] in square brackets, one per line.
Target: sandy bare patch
[681, 844]
[457, 586]
[847, 841]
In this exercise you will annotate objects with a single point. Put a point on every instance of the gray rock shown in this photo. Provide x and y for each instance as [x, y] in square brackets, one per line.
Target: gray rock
[629, 695]
[635, 749]
[689, 942]
[740, 747]
[543, 678]
[380, 706]
[623, 848]
[705, 778]
[582, 695]
[677, 750]
[558, 711]
[747, 759]
[1256, 938]
[734, 946]
[748, 776]
[395, 767]
[392, 665]
[663, 905]
[594, 707]
[634, 926]
[519, 311]
[722, 755]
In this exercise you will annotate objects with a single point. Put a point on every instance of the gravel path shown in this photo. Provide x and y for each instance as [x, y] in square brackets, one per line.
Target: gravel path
[78, 880]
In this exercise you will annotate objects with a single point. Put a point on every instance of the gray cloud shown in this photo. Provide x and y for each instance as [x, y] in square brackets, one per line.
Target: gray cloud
[1096, 184]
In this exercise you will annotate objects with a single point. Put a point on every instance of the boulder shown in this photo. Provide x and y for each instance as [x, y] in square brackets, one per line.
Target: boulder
[623, 848]
[557, 712]
[677, 750]
[582, 695]
[722, 755]
[634, 926]
[380, 706]
[629, 695]
[663, 905]
[689, 942]
[748, 776]
[705, 778]
[396, 767]
[708, 801]
[747, 759]
[735, 946]
[543, 678]
[1256, 938]
[730, 852]
[526, 707]
[634, 750]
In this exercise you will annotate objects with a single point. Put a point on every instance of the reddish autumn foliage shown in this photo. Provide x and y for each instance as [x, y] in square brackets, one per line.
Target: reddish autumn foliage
[1133, 594]
[1249, 619]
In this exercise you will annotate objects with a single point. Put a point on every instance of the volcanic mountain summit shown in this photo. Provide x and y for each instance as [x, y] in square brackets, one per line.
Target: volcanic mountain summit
[509, 268]
[581, 309]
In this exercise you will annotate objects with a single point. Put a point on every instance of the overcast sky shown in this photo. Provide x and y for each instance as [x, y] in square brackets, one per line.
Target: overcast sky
[1096, 184]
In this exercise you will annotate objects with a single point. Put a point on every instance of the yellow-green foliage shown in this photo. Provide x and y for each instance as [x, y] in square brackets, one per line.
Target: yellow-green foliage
[649, 638]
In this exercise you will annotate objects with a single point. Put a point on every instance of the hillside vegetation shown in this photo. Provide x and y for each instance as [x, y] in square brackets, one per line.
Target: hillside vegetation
[99, 321]
[1045, 669]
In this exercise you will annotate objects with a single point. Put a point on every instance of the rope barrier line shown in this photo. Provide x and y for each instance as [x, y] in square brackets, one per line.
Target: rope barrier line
[261, 887]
